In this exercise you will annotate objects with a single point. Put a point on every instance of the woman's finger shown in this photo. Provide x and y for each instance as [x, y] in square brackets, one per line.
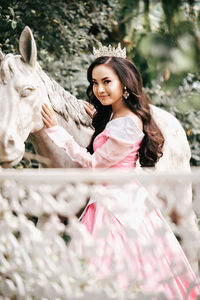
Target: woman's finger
[89, 108]
[46, 117]
[49, 117]
[46, 120]
[46, 123]
[47, 109]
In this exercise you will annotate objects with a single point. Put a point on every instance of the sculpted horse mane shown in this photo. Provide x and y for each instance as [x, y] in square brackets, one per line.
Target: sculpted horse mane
[65, 104]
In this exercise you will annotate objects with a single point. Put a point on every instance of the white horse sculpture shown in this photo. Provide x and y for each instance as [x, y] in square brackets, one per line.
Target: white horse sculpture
[24, 87]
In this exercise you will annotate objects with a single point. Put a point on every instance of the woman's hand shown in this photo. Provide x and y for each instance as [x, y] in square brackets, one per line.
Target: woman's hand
[49, 117]
[89, 108]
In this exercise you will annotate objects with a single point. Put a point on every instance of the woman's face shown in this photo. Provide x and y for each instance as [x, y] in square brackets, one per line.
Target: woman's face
[106, 85]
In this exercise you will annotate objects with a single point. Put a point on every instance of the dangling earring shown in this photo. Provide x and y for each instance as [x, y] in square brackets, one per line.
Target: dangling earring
[126, 93]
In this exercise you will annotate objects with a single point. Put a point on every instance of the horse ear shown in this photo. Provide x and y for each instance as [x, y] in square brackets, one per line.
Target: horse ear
[27, 46]
[1, 55]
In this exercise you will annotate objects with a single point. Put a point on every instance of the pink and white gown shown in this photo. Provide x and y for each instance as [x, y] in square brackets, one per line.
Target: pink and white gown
[138, 241]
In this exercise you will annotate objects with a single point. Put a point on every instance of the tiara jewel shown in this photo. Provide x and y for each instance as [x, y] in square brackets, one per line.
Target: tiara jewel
[109, 51]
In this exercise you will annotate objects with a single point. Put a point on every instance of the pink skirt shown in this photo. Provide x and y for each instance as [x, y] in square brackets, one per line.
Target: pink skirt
[147, 259]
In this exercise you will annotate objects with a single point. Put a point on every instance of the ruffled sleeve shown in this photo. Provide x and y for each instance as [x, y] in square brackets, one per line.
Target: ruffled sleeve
[118, 145]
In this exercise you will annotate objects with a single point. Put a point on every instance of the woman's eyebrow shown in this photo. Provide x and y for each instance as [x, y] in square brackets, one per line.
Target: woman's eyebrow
[104, 78]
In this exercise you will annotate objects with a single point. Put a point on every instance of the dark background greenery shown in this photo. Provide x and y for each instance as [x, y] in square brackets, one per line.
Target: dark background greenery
[162, 37]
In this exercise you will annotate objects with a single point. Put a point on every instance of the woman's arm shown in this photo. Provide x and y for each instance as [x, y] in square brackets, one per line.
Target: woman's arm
[111, 152]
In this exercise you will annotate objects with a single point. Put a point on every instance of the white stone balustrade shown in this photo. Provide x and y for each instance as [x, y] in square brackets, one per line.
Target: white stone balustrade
[36, 262]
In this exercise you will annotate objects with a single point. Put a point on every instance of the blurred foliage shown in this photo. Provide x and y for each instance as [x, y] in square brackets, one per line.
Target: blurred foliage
[162, 34]
[64, 31]
[162, 38]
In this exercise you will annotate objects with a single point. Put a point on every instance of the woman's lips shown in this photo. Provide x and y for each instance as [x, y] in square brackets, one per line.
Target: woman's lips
[103, 96]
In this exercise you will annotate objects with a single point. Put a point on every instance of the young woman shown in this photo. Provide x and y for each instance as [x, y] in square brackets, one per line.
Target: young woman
[124, 132]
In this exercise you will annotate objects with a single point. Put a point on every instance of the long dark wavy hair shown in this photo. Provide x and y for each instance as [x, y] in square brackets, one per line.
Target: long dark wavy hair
[151, 147]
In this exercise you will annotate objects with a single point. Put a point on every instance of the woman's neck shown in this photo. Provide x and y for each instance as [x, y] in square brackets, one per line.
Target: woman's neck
[122, 112]
[119, 108]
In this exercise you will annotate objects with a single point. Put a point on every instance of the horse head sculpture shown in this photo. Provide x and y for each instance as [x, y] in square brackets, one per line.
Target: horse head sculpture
[17, 91]
[24, 87]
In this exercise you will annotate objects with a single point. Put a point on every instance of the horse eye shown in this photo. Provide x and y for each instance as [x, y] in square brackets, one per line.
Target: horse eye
[26, 92]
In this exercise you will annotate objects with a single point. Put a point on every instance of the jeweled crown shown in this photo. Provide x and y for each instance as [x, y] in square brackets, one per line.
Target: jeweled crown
[109, 51]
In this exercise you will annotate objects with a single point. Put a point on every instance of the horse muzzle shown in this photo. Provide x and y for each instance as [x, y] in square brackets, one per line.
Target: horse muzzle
[11, 151]
[10, 164]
